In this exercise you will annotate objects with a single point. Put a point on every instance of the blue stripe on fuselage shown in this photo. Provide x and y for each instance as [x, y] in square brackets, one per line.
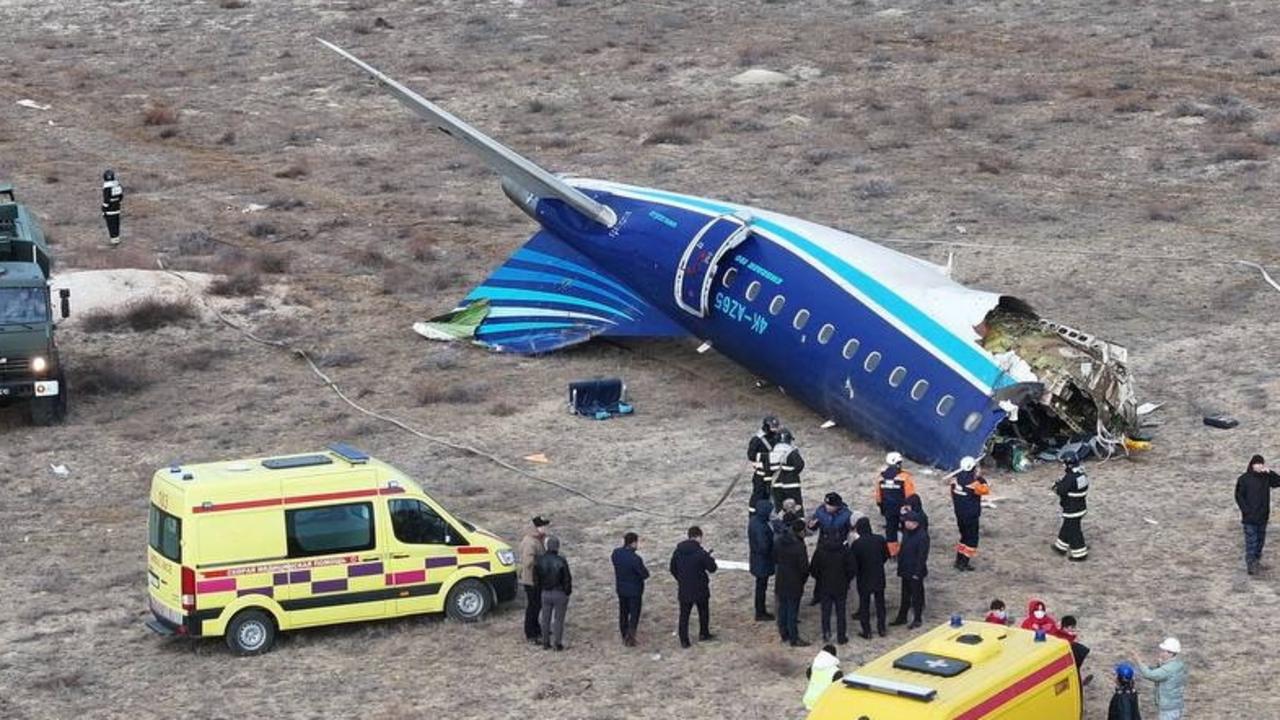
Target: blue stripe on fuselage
[958, 350]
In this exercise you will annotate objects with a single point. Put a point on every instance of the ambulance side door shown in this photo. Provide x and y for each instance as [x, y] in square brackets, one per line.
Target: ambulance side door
[335, 571]
[422, 554]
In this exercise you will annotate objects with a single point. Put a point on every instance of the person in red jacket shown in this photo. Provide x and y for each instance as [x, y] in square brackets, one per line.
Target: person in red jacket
[1039, 619]
[997, 616]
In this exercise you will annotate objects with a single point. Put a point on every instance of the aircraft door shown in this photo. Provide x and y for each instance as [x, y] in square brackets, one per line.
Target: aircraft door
[698, 266]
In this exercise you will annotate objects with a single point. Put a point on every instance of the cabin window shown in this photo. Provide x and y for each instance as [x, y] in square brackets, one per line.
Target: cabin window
[802, 317]
[897, 376]
[729, 275]
[872, 361]
[972, 422]
[776, 305]
[824, 335]
[945, 404]
[753, 290]
[329, 529]
[851, 348]
[919, 389]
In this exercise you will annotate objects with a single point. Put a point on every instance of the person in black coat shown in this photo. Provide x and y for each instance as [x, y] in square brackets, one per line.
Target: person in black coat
[792, 560]
[869, 552]
[832, 569]
[1124, 702]
[1253, 497]
[552, 578]
[690, 566]
[913, 567]
[759, 449]
[629, 574]
[760, 542]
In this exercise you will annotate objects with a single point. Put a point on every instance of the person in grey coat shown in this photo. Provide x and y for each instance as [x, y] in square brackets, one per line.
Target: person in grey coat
[1169, 676]
[552, 578]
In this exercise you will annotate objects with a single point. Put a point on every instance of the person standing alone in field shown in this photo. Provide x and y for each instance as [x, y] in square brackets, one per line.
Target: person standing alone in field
[1073, 493]
[629, 575]
[691, 566]
[112, 196]
[556, 585]
[531, 548]
[1253, 497]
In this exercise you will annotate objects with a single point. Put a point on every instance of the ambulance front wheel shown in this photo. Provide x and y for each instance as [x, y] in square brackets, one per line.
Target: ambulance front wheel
[251, 632]
[468, 601]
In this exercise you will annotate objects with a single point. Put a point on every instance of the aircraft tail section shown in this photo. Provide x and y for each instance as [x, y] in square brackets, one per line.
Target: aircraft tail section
[523, 173]
[547, 296]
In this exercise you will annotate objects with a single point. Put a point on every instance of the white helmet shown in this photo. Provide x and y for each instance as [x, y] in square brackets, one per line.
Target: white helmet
[893, 458]
[1171, 645]
[967, 463]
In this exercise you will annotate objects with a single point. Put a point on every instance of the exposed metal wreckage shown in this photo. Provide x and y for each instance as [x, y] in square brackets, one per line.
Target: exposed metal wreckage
[1074, 395]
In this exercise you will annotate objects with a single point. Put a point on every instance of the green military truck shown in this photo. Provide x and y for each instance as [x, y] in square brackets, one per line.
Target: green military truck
[30, 370]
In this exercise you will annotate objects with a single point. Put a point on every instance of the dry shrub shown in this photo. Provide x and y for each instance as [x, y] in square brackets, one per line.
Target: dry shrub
[1237, 152]
[1271, 137]
[292, 172]
[423, 250]
[503, 409]
[196, 242]
[201, 358]
[144, 315]
[401, 279]
[159, 113]
[241, 283]
[668, 137]
[96, 375]
[779, 662]
[232, 4]
[1163, 213]
[875, 189]
[446, 393]
[272, 263]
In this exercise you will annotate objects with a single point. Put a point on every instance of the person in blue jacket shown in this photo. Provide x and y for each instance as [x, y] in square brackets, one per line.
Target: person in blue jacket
[629, 575]
[760, 542]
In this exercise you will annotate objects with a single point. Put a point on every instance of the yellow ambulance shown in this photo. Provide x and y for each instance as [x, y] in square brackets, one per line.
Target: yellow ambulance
[249, 548]
[961, 671]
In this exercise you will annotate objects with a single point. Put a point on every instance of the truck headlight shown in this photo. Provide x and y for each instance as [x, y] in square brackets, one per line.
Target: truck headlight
[39, 365]
[507, 557]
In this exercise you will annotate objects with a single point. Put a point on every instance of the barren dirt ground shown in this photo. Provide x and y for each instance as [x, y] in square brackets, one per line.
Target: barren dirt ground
[1051, 131]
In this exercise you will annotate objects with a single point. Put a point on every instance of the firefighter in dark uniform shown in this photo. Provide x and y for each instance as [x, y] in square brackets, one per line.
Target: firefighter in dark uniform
[788, 464]
[758, 450]
[967, 490]
[1072, 491]
[112, 195]
[893, 487]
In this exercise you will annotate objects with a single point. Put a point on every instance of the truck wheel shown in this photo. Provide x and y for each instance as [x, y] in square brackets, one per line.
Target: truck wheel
[251, 632]
[44, 411]
[468, 601]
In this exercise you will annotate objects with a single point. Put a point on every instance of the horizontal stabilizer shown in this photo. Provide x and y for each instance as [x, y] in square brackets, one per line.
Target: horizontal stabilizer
[547, 296]
[524, 172]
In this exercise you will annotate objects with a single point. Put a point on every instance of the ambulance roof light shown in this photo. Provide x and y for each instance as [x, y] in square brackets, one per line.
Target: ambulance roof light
[174, 467]
[1040, 636]
[892, 687]
[956, 620]
[348, 453]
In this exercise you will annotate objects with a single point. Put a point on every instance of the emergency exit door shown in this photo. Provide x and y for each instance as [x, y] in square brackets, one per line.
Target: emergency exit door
[698, 266]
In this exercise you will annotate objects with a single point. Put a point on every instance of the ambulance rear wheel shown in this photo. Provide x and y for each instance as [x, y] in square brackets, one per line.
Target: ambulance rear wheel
[468, 601]
[251, 632]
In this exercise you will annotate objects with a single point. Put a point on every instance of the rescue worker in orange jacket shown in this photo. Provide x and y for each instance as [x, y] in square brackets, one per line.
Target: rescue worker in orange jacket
[967, 490]
[758, 450]
[893, 487]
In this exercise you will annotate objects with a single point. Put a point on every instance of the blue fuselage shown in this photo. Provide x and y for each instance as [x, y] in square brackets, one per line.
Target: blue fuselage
[790, 318]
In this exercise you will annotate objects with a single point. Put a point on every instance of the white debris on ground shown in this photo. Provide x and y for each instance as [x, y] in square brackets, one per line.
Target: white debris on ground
[760, 76]
[28, 103]
[113, 289]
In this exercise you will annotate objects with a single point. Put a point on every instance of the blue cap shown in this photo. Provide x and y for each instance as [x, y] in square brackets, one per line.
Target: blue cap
[956, 620]
[1124, 671]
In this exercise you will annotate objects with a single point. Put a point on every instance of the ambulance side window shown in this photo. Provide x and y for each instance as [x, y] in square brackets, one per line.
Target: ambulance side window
[329, 529]
[415, 523]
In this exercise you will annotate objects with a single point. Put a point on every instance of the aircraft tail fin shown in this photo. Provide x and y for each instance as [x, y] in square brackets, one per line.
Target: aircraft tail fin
[547, 296]
[511, 165]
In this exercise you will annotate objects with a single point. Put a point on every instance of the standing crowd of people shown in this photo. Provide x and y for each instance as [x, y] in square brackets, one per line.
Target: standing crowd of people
[849, 555]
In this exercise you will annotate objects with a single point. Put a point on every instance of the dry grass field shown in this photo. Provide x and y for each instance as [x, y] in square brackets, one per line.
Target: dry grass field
[1047, 133]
